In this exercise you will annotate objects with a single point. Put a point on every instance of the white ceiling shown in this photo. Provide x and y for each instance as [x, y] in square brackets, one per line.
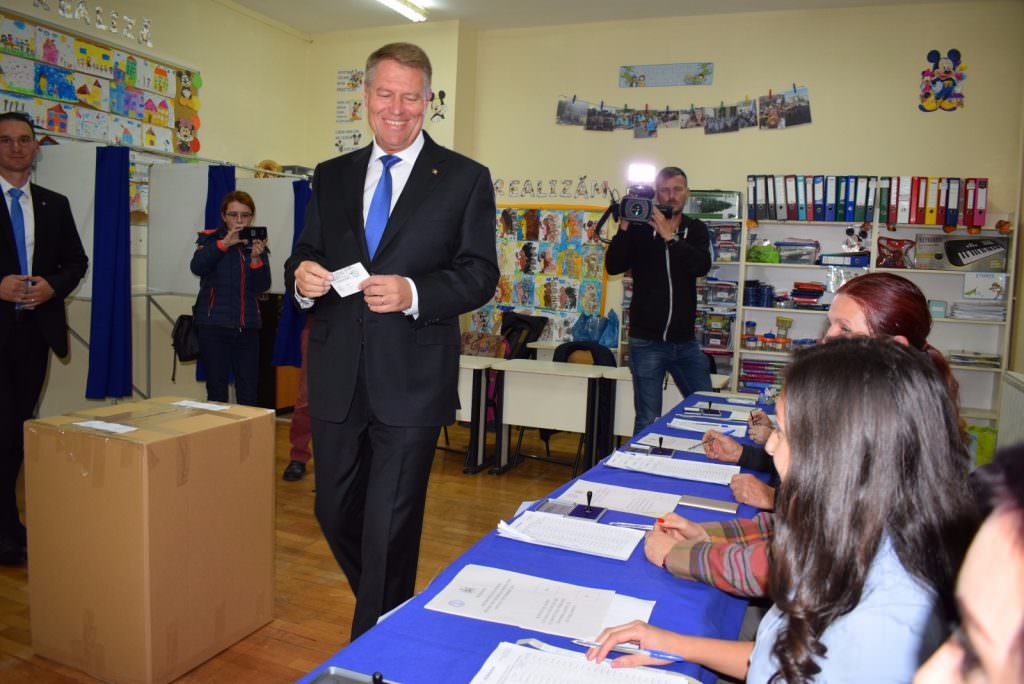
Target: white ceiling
[321, 16]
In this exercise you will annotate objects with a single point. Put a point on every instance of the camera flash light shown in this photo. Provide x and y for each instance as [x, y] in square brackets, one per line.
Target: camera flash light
[640, 173]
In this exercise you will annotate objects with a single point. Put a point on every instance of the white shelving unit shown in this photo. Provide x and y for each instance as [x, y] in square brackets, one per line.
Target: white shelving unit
[979, 387]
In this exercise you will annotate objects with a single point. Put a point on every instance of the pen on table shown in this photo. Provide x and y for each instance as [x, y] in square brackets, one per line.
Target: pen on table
[630, 649]
[632, 526]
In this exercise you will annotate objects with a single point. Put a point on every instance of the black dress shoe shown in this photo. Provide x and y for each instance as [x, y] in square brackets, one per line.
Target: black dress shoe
[294, 471]
[12, 553]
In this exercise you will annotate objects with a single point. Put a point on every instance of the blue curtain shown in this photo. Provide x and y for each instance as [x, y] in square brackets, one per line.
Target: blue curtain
[287, 351]
[219, 182]
[110, 333]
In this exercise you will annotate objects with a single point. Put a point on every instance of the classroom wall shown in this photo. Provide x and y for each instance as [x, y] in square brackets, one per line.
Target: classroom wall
[254, 71]
[862, 67]
[330, 52]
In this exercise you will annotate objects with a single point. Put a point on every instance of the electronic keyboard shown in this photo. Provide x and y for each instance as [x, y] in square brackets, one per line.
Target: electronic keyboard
[965, 252]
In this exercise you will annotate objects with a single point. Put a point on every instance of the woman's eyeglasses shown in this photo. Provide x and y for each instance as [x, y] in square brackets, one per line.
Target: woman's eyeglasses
[238, 215]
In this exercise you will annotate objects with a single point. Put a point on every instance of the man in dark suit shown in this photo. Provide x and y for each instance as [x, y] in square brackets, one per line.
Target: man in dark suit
[384, 362]
[41, 262]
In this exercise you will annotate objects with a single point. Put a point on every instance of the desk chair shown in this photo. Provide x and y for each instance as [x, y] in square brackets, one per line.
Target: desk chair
[590, 353]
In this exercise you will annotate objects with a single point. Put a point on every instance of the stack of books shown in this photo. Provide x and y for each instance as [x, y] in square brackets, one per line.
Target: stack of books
[979, 311]
[758, 374]
[805, 295]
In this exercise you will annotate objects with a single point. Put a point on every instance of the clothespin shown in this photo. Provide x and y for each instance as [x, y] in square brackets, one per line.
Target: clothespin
[691, 108]
[794, 87]
[746, 99]
[666, 109]
[574, 99]
[645, 109]
[769, 95]
[602, 105]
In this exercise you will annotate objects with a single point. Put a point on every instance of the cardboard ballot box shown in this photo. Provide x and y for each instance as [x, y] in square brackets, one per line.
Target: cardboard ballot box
[152, 550]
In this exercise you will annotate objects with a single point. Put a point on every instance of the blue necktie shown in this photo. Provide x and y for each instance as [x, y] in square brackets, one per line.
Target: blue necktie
[18, 223]
[380, 205]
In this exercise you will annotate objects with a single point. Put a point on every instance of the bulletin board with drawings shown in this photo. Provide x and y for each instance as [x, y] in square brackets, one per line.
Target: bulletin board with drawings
[551, 264]
[77, 86]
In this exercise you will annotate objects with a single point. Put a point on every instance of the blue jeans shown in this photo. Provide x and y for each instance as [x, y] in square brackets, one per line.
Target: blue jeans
[650, 361]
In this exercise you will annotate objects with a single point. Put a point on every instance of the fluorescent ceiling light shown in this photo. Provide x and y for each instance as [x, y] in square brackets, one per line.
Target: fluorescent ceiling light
[406, 9]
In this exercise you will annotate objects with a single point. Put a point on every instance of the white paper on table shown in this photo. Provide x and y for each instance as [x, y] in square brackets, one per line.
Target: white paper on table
[626, 499]
[714, 473]
[345, 281]
[573, 534]
[514, 664]
[735, 412]
[512, 598]
[695, 424]
[106, 427]
[695, 446]
[206, 406]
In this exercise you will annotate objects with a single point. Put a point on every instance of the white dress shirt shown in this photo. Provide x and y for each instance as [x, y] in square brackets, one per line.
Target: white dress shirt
[27, 211]
[400, 172]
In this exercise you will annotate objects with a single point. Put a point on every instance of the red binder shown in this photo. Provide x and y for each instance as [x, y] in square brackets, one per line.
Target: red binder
[791, 206]
[980, 202]
[916, 195]
[894, 192]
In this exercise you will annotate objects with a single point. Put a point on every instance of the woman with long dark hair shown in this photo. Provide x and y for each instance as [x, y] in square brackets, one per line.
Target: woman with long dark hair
[872, 520]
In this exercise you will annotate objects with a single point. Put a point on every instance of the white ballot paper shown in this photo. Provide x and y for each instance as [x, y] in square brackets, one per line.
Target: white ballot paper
[514, 664]
[695, 424]
[106, 427]
[675, 443]
[572, 534]
[735, 412]
[714, 473]
[627, 499]
[512, 598]
[345, 281]
[205, 405]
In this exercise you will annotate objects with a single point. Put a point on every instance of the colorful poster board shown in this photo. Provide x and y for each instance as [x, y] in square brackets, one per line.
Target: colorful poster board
[551, 264]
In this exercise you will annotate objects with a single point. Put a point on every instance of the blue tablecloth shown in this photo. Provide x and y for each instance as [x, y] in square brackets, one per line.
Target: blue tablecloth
[417, 645]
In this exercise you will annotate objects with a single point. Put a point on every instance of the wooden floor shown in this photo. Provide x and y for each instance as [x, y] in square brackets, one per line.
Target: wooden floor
[313, 604]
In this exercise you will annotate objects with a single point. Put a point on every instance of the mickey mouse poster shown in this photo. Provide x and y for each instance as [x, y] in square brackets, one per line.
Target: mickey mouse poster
[942, 82]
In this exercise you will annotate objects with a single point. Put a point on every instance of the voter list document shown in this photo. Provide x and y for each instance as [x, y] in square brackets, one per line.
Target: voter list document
[713, 473]
[616, 498]
[543, 605]
[515, 664]
[572, 534]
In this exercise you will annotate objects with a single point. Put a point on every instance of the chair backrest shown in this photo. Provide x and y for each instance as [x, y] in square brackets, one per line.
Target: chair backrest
[584, 352]
[520, 330]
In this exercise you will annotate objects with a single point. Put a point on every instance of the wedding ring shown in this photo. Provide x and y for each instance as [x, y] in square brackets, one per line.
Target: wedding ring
[381, 300]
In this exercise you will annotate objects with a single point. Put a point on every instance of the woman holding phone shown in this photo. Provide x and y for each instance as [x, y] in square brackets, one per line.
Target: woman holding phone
[233, 270]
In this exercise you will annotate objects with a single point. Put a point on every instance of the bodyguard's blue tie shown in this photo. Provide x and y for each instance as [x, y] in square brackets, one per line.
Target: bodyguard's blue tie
[380, 205]
[18, 223]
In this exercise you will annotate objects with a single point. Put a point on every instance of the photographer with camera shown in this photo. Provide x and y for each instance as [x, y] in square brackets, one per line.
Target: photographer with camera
[666, 252]
[231, 263]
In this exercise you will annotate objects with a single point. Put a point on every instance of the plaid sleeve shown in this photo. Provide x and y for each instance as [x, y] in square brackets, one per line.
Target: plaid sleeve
[736, 562]
[741, 530]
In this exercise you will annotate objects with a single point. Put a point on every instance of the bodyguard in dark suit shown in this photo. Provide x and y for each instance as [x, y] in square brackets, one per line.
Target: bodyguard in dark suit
[41, 262]
[384, 362]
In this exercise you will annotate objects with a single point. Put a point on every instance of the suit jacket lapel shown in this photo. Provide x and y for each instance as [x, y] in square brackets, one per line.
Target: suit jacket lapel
[40, 210]
[352, 197]
[426, 174]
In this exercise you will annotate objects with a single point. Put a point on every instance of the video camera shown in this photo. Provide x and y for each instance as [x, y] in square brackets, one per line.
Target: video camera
[638, 205]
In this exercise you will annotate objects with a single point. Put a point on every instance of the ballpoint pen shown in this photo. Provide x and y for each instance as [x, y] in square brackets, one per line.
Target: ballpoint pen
[631, 649]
